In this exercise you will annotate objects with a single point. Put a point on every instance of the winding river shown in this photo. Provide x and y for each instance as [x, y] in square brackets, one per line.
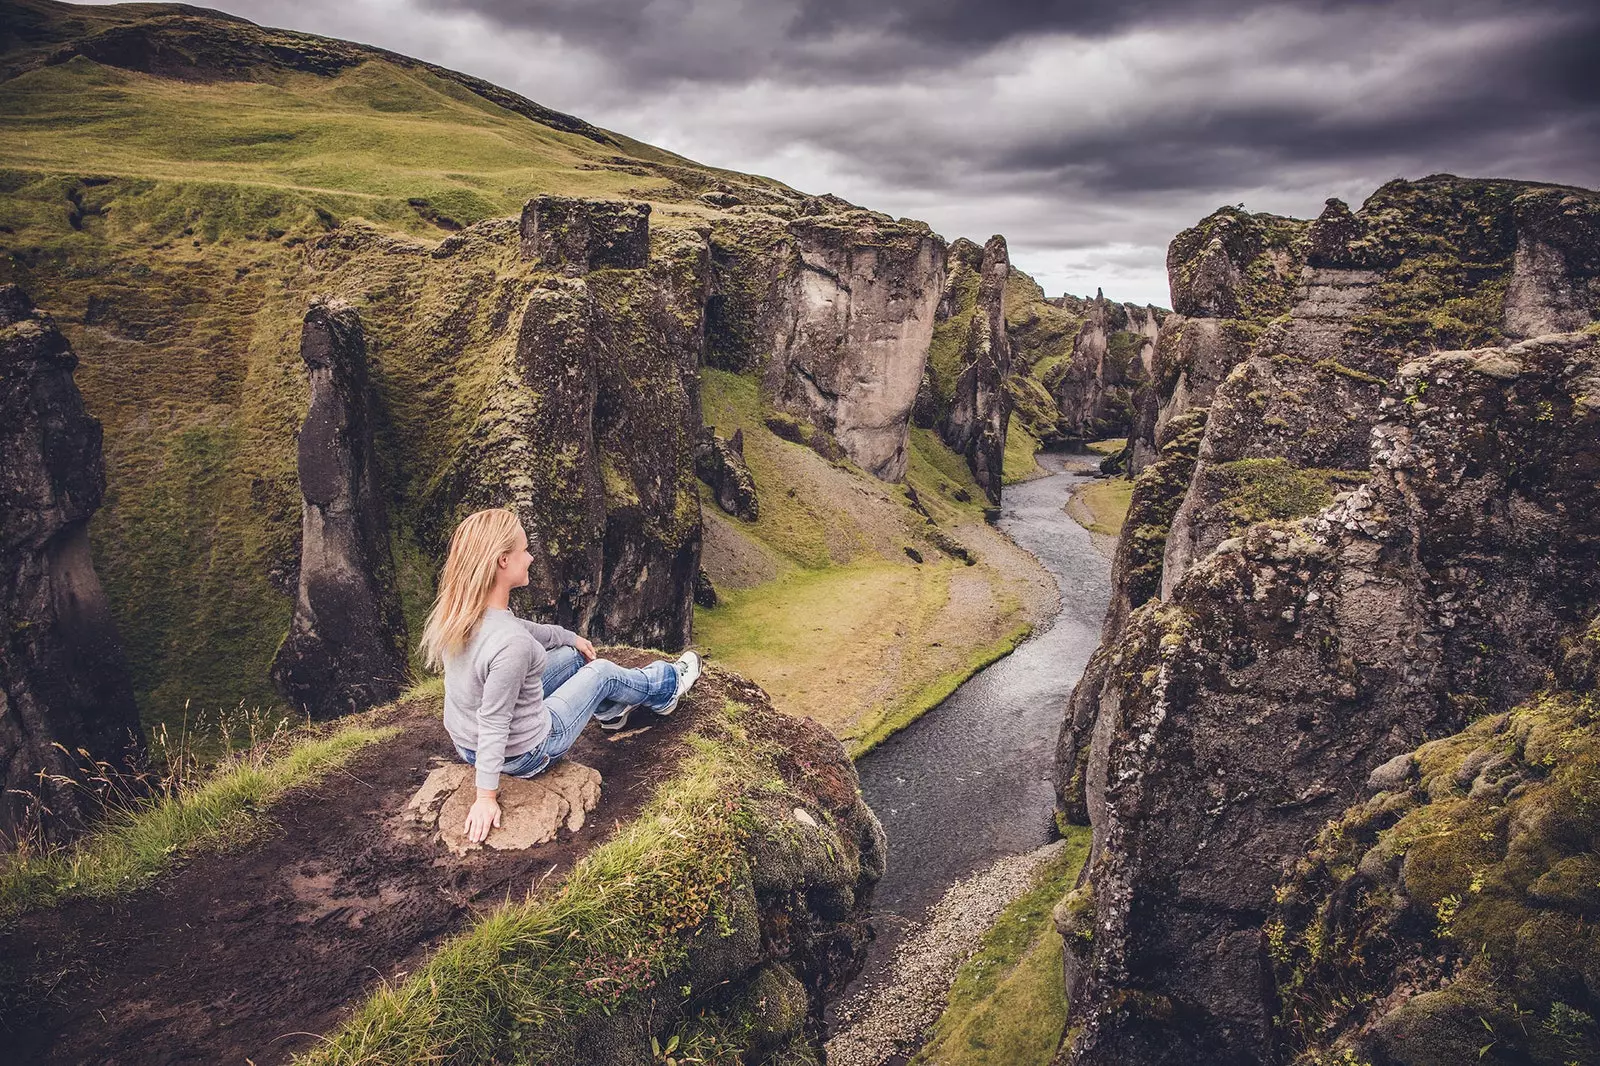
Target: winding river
[969, 782]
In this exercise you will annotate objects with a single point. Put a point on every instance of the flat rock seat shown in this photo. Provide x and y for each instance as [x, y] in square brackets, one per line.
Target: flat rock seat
[530, 811]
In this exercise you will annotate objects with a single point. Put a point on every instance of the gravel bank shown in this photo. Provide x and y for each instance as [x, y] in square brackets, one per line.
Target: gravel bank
[887, 1016]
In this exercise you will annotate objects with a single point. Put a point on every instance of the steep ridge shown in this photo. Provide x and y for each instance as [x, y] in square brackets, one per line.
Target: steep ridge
[1282, 658]
[963, 390]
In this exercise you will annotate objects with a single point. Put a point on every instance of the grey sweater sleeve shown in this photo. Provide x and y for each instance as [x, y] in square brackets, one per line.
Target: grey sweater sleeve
[501, 688]
[551, 636]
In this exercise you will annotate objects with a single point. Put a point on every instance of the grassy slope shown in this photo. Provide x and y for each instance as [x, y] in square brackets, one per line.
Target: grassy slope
[809, 623]
[162, 222]
[1007, 1005]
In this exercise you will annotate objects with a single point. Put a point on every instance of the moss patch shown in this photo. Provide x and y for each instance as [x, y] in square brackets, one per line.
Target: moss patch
[1453, 920]
[1021, 449]
[1263, 490]
[1007, 1005]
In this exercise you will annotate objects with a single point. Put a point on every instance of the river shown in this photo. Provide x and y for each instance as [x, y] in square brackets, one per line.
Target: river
[970, 781]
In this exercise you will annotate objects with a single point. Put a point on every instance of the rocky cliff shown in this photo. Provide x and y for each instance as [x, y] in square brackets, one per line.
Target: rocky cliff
[965, 391]
[65, 695]
[1447, 549]
[1112, 358]
[834, 309]
[346, 647]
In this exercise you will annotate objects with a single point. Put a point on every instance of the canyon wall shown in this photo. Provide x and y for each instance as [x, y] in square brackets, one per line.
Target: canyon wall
[65, 698]
[1359, 539]
[965, 391]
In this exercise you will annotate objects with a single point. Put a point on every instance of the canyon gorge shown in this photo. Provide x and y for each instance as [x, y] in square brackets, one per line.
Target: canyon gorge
[1328, 781]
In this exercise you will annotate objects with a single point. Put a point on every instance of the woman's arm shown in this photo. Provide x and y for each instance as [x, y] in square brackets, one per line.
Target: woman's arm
[554, 636]
[501, 687]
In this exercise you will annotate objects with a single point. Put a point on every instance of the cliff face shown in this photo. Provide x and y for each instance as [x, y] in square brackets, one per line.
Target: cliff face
[1251, 706]
[965, 391]
[1448, 917]
[590, 429]
[1287, 657]
[64, 686]
[1112, 357]
[835, 310]
[346, 648]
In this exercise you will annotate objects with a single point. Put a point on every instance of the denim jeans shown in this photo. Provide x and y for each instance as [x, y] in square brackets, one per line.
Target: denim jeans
[575, 691]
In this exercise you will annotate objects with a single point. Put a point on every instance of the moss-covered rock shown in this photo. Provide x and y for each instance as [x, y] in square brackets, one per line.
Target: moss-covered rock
[1233, 719]
[1451, 920]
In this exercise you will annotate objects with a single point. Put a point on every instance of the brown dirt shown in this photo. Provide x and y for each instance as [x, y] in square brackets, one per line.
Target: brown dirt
[246, 954]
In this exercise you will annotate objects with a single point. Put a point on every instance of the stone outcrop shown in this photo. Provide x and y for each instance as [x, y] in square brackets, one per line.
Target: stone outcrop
[531, 811]
[64, 687]
[1237, 716]
[835, 312]
[576, 235]
[1230, 275]
[1113, 356]
[346, 646]
[1448, 916]
[964, 392]
[1437, 590]
[589, 430]
[720, 464]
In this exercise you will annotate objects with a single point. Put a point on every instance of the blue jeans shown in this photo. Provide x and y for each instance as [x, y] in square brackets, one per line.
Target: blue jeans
[575, 691]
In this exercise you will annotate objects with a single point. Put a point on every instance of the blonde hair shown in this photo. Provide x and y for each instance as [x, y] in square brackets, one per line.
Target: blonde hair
[469, 572]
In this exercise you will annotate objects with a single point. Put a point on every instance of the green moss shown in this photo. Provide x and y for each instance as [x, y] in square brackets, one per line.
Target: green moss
[1157, 493]
[1021, 448]
[1264, 490]
[947, 351]
[1473, 888]
[1007, 1005]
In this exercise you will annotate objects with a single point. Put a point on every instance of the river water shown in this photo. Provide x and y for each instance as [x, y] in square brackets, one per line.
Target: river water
[969, 782]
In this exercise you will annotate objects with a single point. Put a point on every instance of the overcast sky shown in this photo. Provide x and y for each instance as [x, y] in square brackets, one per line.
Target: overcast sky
[1087, 132]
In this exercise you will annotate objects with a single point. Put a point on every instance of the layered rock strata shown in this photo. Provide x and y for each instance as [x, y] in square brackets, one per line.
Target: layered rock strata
[346, 646]
[65, 692]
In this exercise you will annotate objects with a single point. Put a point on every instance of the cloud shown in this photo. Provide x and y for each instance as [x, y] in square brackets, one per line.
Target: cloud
[1087, 132]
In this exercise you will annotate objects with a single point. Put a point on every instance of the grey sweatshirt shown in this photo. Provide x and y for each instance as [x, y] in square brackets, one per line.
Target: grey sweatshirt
[494, 690]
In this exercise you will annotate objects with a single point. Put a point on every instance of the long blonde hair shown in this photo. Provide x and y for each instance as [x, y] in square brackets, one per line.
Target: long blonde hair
[469, 572]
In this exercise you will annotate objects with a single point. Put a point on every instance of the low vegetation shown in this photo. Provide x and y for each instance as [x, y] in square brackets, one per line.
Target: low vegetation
[1007, 1005]
[806, 589]
[210, 810]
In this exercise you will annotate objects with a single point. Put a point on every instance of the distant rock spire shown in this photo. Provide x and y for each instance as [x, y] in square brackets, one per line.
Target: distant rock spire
[64, 685]
[346, 645]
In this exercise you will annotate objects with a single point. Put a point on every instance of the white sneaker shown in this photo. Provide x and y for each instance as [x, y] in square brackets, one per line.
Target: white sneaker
[619, 720]
[688, 667]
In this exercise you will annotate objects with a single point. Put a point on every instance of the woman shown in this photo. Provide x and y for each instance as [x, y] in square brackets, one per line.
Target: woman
[516, 693]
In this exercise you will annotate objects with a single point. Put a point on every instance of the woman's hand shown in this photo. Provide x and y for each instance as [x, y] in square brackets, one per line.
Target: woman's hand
[585, 649]
[484, 815]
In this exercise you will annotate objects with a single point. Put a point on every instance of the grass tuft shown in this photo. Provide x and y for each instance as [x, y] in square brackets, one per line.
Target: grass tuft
[138, 844]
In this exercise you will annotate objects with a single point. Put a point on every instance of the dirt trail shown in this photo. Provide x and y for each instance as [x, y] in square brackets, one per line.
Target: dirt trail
[247, 954]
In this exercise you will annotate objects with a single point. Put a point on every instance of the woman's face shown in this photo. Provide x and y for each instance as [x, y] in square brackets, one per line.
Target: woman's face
[514, 564]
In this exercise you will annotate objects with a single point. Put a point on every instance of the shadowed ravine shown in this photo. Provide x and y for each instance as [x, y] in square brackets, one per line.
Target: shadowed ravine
[969, 782]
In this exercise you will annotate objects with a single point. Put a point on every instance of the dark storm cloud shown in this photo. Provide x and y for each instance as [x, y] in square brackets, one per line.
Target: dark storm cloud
[1088, 132]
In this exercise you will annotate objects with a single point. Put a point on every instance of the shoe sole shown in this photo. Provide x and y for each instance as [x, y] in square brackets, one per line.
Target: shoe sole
[620, 722]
